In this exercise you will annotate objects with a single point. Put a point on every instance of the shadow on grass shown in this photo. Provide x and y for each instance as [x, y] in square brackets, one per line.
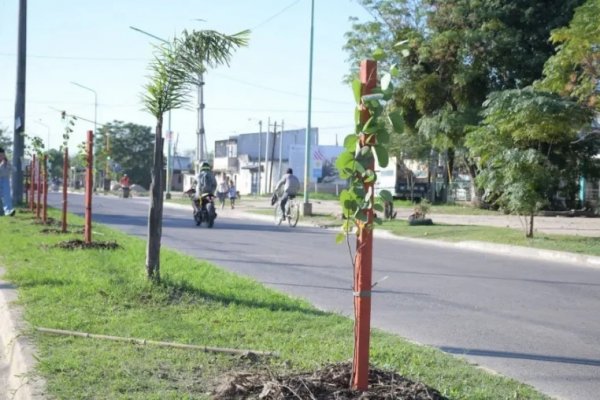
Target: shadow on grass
[176, 290]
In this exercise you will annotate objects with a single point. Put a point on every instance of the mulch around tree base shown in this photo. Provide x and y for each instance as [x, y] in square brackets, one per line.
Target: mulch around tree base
[331, 382]
[80, 244]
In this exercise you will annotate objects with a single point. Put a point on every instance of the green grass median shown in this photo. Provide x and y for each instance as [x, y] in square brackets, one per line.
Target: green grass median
[105, 292]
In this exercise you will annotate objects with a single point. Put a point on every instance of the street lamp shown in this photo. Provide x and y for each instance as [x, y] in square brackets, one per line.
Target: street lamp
[95, 123]
[307, 207]
[169, 133]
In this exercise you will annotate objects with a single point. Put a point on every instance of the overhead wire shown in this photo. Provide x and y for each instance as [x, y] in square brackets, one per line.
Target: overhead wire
[277, 14]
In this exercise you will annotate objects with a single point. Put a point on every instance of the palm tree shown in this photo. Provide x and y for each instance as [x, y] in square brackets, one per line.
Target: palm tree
[204, 49]
[166, 90]
[173, 70]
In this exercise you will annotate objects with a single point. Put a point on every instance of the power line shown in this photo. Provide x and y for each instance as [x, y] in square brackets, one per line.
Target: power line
[75, 58]
[278, 90]
[278, 13]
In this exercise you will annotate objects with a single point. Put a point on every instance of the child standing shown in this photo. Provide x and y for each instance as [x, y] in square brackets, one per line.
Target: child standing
[232, 193]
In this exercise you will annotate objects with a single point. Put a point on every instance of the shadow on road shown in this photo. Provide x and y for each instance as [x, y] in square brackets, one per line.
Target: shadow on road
[522, 356]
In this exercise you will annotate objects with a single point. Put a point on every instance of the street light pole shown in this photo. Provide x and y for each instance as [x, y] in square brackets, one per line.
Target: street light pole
[95, 125]
[307, 207]
[170, 132]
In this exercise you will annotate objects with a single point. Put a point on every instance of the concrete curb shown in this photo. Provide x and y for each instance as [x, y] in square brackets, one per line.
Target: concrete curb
[581, 260]
[17, 362]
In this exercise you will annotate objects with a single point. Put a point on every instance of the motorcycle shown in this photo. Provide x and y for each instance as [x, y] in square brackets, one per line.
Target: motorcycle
[204, 208]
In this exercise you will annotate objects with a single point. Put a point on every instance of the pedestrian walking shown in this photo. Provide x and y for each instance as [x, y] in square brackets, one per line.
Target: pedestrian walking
[5, 173]
[223, 191]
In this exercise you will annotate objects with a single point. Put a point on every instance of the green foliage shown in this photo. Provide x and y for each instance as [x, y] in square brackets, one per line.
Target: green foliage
[520, 177]
[364, 149]
[517, 142]
[204, 49]
[55, 161]
[167, 88]
[5, 140]
[447, 66]
[573, 70]
[69, 124]
[131, 147]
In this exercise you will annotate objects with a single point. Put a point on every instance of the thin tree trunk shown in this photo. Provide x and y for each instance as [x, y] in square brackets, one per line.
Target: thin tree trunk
[156, 209]
[530, 228]
[64, 191]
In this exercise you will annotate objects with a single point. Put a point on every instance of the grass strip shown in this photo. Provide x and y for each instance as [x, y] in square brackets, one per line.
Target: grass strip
[105, 292]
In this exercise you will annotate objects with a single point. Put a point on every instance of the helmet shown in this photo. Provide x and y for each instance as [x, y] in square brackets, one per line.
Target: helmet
[205, 166]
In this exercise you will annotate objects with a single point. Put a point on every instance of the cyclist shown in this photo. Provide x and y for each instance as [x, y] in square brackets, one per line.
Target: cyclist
[205, 184]
[291, 186]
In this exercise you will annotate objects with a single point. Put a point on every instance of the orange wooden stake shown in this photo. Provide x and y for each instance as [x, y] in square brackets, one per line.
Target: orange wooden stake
[363, 269]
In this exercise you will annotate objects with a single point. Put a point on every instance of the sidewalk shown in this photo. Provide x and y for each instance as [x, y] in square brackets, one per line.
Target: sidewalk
[589, 227]
[580, 226]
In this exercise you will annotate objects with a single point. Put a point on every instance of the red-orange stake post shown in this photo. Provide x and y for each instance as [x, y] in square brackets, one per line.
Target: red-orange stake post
[32, 183]
[89, 179]
[363, 269]
[65, 186]
[45, 194]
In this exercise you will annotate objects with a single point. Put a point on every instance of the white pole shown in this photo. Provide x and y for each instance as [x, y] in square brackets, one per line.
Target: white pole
[259, 149]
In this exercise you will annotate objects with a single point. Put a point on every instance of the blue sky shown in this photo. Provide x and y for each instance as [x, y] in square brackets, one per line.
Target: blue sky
[90, 42]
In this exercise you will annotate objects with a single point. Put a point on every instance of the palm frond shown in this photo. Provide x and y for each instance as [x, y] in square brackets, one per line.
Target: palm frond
[204, 49]
[167, 88]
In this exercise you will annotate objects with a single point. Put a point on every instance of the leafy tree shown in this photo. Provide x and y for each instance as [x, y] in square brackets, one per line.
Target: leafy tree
[573, 70]
[131, 147]
[176, 66]
[522, 133]
[467, 50]
[5, 140]
[520, 178]
[55, 161]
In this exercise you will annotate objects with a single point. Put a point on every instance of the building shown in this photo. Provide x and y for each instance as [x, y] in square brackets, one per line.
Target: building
[250, 158]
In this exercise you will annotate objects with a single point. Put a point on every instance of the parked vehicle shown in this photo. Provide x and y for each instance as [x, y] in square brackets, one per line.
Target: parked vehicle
[404, 180]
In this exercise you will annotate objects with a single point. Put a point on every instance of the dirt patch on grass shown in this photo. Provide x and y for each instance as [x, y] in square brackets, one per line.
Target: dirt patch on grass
[80, 244]
[331, 382]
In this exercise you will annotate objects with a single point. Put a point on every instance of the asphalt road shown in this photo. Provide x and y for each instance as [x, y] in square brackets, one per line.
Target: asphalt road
[533, 320]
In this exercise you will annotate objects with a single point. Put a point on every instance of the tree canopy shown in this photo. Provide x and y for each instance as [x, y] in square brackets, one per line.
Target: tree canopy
[130, 152]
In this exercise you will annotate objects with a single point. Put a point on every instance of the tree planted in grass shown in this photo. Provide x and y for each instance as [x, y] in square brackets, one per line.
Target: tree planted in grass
[176, 66]
[365, 148]
[516, 142]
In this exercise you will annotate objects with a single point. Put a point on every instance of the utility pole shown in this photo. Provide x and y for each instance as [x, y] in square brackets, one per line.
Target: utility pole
[19, 126]
[259, 145]
[280, 150]
[307, 206]
[272, 155]
[201, 144]
[267, 154]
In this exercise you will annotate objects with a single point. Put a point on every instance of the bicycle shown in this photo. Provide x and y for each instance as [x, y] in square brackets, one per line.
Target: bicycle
[292, 211]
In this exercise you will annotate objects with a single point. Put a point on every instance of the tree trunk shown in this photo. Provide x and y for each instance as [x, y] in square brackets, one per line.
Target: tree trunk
[530, 227]
[476, 194]
[156, 209]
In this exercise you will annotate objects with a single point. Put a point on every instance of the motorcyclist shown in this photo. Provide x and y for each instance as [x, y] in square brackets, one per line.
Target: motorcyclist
[291, 186]
[206, 184]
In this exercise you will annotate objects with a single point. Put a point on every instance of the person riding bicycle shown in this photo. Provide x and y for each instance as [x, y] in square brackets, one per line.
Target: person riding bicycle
[206, 184]
[291, 186]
